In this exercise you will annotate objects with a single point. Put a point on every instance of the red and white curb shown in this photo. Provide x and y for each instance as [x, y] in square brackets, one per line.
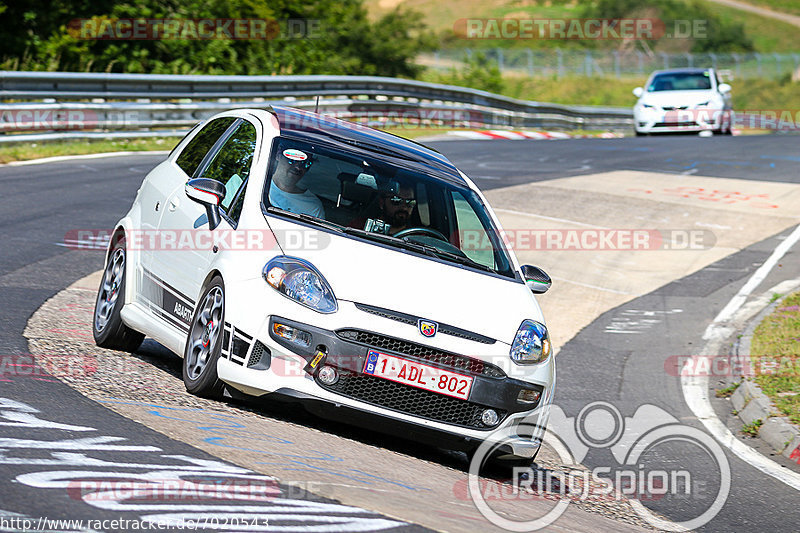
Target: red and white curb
[518, 135]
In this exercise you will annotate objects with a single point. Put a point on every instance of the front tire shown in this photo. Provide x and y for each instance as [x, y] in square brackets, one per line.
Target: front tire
[204, 344]
[107, 327]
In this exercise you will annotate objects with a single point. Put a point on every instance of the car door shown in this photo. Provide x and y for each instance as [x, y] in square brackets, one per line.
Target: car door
[180, 261]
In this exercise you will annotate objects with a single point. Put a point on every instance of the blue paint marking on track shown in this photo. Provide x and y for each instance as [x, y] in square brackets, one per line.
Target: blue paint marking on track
[145, 404]
[217, 441]
[313, 468]
[225, 426]
[317, 469]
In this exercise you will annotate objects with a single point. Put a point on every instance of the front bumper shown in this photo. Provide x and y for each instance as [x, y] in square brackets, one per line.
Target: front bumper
[346, 351]
[681, 121]
[377, 403]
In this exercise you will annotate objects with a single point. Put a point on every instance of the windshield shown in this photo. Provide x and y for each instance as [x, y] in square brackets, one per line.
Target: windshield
[680, 81]
[372, 199]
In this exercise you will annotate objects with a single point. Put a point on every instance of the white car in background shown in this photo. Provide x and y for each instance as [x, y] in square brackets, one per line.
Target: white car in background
[270, 286]
[686, 100]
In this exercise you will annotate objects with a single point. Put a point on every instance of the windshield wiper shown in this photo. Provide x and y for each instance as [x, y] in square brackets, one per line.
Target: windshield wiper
[306, 218]
[464, 260]
[419, 247]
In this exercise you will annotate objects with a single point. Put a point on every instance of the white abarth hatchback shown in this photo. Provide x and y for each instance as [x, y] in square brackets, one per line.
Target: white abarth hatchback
[284, 253]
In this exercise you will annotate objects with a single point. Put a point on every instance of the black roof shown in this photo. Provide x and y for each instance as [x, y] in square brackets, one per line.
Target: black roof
[315, 127]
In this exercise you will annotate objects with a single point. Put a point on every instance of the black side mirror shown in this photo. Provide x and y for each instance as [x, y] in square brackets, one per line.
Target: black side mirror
[536, 279]
[208, 193]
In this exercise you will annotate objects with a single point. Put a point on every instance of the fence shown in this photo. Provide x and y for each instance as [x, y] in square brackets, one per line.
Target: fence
[612, 63]
[59, 105]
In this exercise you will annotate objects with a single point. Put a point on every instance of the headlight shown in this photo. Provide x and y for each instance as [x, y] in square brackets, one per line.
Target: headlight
[531, 344]
[300, 281]
[647, 106]
[702, 104]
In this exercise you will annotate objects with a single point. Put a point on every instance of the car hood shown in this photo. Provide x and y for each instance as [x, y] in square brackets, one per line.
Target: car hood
[677, 98]
[372, 274]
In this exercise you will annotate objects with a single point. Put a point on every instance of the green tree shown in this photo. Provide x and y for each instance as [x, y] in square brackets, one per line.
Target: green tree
[343, 40]
[480, 72]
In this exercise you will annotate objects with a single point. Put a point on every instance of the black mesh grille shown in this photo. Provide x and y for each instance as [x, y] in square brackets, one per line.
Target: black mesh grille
[455, 332]
[412, 320]
[260, 352]
[445, 359]
[411, 400]
[387, 314]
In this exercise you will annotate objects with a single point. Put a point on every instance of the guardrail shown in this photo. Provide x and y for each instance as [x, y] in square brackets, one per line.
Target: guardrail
[66, 105]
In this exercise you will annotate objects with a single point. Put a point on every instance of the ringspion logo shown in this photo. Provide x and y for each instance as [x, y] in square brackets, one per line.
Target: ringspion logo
[642, 459]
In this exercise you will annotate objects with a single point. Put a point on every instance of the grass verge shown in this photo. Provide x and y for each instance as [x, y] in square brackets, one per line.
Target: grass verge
[775, 353]
[752, 428]
[30, 151]
[728, 391]
[37, 150]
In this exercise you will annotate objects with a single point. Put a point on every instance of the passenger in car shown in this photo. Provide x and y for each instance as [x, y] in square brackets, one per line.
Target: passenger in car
[284, 191]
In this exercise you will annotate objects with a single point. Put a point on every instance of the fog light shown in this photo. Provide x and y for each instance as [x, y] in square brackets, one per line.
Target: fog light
[328, 375]
[293, 335]
[489, 417]
[528, 396]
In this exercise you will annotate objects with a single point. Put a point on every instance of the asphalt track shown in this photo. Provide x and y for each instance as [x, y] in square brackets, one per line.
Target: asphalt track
[40, 203]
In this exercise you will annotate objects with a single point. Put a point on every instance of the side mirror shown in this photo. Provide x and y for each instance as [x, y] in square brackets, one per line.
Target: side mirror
[208, 193]
[638, 92]
[536, 279]
[724, 88]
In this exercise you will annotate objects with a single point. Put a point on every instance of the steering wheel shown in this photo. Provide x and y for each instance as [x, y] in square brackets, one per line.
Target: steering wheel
[423, 231]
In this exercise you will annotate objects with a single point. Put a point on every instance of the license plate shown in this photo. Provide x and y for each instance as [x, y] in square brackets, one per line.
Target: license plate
[417, 375]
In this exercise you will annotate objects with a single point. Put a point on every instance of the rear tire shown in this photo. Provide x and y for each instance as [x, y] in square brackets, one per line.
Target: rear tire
[107, 327]
[204, 343]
